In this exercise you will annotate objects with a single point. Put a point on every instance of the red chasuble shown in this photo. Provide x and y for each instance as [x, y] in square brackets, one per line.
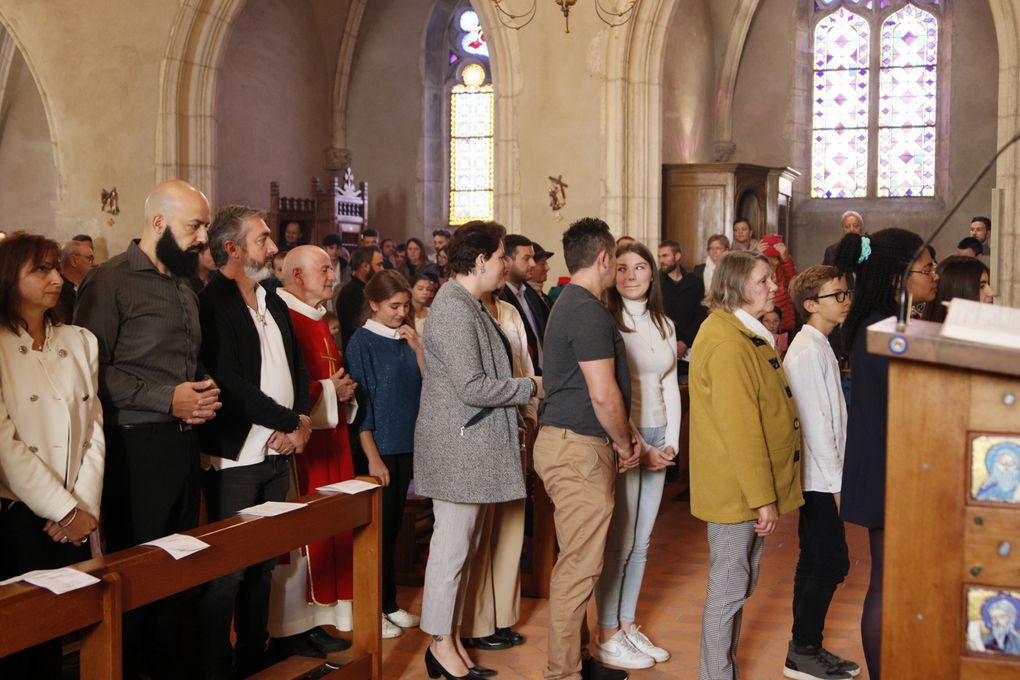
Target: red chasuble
[326, 459]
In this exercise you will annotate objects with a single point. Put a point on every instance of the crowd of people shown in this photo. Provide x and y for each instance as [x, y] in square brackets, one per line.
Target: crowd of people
[206, 361]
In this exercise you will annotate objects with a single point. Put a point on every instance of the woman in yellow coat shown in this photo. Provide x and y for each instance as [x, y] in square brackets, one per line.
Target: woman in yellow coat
[745, 446]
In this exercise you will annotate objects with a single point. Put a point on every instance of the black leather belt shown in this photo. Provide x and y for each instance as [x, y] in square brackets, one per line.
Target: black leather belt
[171, 426]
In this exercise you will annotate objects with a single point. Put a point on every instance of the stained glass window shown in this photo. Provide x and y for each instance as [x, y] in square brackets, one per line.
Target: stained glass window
[855, 43]
[839, 157]
[906, 117]
[471, 147]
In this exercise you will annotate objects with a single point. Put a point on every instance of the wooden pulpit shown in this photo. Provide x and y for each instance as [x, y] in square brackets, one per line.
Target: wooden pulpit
[952, 527]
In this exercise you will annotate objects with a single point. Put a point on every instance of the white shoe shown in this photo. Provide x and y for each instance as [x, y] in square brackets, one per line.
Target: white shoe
[390, 630]
[619, 651]
[644, 645]
[404, 619]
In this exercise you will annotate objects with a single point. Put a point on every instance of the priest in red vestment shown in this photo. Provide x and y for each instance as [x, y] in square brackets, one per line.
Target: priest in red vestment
[315, 586]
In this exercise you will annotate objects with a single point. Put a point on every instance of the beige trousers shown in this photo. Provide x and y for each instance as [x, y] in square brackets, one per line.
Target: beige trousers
[579, 473]
[494, 583]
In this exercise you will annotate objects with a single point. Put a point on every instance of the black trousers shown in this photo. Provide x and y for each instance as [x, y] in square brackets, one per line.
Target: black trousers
[26, 547]
[243, 595]
[394, 497]
[152, 488]
[823, 564]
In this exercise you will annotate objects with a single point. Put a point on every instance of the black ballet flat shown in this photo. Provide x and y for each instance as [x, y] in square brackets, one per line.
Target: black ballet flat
[435, 669]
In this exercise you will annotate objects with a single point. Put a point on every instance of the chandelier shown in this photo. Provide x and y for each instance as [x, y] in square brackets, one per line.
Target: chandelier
[610, 17]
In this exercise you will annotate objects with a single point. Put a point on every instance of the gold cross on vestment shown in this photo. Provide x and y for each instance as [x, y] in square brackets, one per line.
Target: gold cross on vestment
[329, 356]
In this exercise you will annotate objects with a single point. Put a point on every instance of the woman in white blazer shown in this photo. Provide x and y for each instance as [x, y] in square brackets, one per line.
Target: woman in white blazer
[51, 430]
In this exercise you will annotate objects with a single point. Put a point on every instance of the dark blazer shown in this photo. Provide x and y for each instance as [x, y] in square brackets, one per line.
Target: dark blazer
[68, 297]
[863, 490]
[682, 302]
[230, 351]
[539, 311]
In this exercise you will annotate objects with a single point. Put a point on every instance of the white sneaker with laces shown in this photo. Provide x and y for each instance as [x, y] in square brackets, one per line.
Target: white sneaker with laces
[389, 630]
[619, 651]
[404, 619]
[644, 645]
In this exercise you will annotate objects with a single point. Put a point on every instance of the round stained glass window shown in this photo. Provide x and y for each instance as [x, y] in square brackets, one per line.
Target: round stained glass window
[473, 75]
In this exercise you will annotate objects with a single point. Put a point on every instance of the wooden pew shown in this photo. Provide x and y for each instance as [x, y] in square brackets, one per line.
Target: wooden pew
[138, 576]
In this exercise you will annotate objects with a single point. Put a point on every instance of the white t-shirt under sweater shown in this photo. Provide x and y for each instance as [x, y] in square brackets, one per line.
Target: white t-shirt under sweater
[655, 393]
[813, 374]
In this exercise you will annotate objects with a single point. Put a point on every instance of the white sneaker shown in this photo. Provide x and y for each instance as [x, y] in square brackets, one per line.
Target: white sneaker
[389, 630]
[403, 619]
[644, 645]
[619, 651]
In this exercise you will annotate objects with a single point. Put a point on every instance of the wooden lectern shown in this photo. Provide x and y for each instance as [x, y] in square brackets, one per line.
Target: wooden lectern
[952, 527]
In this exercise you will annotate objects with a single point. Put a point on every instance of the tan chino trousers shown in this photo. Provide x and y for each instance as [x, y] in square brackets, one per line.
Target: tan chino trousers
[579, 473]
[494, 585]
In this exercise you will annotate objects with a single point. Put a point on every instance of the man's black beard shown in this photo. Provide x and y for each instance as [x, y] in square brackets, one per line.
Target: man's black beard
[182, 263]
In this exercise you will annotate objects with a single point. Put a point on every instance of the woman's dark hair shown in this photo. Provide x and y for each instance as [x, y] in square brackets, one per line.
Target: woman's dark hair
[421, 249]
[381, 287]
[471, 240]
[16, 250]
[424, 276]
[614, 301]
[959, 277]
[877, 271]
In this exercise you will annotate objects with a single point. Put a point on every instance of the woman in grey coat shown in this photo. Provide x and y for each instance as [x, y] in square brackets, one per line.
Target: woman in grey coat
[467, 451]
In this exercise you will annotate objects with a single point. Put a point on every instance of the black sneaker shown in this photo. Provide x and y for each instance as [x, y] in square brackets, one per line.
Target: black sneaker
[593, 670]
[807, 663]
[844, 665]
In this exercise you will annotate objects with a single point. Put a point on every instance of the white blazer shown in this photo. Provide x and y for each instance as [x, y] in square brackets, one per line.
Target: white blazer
[51, 422]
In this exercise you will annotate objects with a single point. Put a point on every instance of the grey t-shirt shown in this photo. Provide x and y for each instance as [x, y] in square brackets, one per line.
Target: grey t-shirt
[580, 328]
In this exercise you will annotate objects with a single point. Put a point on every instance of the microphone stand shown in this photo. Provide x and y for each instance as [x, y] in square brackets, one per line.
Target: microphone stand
[903, 311]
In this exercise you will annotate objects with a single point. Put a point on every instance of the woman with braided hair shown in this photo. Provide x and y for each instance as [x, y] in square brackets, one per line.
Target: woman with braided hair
[877, 263]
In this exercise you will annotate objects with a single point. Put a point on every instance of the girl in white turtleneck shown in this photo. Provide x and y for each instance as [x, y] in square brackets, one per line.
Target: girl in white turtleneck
[636, 304]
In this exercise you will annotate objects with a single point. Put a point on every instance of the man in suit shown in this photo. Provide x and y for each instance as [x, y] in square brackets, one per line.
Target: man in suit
[77, 259]
[521, 252]
[249, 346]
[852, 223]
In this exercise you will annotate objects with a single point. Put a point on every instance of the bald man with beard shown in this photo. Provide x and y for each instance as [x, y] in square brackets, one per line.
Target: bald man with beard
[154, 392]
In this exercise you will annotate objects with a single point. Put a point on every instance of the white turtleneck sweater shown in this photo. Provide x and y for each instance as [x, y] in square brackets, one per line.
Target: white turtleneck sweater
[655, 394]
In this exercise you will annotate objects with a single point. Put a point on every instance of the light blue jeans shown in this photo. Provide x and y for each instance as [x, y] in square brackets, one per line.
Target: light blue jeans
[638, 494]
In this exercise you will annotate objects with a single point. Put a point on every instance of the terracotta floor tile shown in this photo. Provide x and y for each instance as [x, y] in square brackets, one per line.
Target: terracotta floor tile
[670, 609]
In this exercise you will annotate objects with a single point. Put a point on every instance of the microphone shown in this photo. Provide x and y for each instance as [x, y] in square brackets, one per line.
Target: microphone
[903, 312]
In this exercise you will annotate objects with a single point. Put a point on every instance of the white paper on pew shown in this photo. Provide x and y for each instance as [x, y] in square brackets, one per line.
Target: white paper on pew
[351, 486]
[271, 508]
[178, 545]
[57, 581]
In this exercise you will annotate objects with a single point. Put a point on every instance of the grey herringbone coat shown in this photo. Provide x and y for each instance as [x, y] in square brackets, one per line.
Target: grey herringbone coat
[467, 370]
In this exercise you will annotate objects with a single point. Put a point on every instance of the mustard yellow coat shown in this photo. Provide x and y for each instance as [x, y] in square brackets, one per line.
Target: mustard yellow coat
[745, 436]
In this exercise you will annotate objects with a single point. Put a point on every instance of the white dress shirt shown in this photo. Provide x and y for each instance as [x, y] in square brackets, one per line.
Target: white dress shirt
[275, 382]
[512, 325]
[813, 374]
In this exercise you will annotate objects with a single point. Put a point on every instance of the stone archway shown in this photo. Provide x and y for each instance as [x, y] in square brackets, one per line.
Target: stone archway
[186, 130]
[11, 46]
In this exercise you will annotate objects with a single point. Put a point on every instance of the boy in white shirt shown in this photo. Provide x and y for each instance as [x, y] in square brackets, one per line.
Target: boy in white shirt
[822, 299]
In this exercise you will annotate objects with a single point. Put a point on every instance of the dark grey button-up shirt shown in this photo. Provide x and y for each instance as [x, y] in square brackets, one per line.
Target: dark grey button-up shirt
[148, 332]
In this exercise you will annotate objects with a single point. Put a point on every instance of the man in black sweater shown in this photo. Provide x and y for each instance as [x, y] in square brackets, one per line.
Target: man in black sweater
[249, 347]
[350, 301]
[682, 295]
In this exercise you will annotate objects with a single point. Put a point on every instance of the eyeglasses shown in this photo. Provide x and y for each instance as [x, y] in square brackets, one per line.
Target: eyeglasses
[927, 271]
[840, 295]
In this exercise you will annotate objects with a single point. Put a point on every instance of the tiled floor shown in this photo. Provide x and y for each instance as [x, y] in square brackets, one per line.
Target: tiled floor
[670, 609]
